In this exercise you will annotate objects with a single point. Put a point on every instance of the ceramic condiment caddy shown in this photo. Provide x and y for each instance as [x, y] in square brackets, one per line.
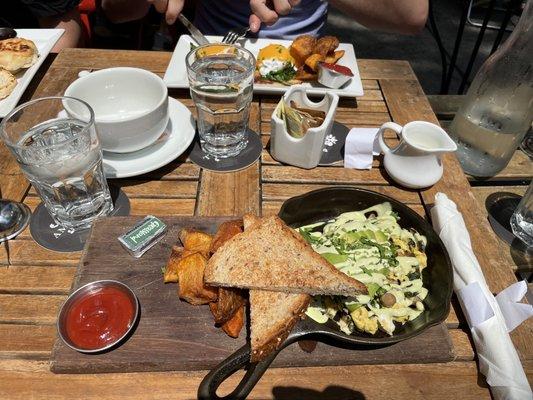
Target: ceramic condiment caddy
[304, 152]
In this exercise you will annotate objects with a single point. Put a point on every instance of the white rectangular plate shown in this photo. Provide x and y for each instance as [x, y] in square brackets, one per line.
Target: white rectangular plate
[176, 74]
[44, 39]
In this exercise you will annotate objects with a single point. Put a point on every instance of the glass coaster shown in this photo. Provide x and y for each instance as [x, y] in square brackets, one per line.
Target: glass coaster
[54, 237]
[500, 207]
[245, 158]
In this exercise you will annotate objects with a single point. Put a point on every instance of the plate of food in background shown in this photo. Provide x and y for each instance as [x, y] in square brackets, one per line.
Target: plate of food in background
[321, 64]
[20, 58]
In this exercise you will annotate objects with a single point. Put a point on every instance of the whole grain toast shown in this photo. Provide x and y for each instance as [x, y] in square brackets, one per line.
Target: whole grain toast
[272, 314]
[271, 256]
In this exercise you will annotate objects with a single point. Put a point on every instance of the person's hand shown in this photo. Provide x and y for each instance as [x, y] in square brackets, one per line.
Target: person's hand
[268, 12]
[171, 8]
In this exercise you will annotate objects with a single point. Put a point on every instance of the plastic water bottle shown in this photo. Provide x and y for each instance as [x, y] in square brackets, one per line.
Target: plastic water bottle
[498, 109]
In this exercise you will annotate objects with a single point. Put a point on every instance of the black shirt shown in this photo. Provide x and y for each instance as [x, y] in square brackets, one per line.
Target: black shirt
[25, 13]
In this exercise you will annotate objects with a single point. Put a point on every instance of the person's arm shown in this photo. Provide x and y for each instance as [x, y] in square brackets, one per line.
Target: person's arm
[119, 11]
[402, 16]
[69, 21]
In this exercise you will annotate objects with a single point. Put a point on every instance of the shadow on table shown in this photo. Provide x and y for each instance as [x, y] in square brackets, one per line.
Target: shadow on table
[330, 393]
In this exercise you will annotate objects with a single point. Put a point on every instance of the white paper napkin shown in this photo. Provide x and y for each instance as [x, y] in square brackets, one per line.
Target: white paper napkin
[498, 359]
[360, 147]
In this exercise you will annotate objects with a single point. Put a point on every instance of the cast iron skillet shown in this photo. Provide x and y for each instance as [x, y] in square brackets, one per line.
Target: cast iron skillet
[322, 205]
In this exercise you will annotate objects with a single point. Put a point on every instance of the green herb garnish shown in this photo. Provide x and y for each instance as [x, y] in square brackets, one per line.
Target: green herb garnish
[283, 75]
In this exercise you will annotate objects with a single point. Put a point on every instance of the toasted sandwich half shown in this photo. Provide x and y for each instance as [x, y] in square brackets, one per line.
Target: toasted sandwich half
[271, 256]
[272, 314]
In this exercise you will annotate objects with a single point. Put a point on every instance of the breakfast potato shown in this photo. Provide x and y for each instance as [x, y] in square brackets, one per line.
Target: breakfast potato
[171, 269]
[234, 326]
[301, 48]
[303, 75]
[225, 231]
[325, 45]
[191, 280]
[336, 56]
[195, 240]
[171, 273]
[313, 60]
[229, 301]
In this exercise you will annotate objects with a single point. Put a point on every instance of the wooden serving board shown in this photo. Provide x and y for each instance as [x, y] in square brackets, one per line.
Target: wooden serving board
[174, 335]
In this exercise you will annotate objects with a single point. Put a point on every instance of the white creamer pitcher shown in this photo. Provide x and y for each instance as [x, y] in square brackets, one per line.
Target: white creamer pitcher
[416, 161]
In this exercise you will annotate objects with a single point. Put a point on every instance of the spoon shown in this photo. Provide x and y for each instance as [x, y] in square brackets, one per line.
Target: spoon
[7, 33]
[14, 217]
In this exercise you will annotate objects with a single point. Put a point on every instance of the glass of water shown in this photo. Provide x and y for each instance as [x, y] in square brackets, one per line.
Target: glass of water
[221, 81]
[61, 157]
[522, 219]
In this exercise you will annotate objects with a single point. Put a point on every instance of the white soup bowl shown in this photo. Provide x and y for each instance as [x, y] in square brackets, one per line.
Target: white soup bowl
[130, 106]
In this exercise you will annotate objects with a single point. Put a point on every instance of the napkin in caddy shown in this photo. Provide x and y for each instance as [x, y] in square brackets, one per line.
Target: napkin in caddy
[498, 359]
[304, 152]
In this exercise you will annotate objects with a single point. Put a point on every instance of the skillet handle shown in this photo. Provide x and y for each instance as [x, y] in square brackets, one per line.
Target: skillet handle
[209, 385]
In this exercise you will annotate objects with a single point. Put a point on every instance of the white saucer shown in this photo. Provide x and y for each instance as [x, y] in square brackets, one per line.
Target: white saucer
[179, 134]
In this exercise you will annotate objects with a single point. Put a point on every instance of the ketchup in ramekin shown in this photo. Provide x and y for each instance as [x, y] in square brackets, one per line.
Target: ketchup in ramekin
[97, 317]
[333, 75]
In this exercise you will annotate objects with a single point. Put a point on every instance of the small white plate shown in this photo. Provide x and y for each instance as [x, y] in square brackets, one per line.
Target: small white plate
[176, 73]
[179, 134]
[44, 39]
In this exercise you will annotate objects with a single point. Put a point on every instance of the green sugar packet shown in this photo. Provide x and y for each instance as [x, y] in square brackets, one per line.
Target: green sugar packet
[145, 234]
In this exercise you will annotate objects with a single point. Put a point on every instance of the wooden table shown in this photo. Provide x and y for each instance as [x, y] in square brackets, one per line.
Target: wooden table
[37, 281]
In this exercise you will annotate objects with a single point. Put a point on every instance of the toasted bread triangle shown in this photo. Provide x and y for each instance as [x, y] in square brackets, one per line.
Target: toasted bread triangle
[272, 314]
[271, 256]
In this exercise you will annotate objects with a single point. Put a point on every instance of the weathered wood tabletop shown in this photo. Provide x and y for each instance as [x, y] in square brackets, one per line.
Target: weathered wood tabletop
[34, 281]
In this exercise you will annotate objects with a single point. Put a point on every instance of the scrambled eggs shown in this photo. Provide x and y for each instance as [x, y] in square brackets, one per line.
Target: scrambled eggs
[370, 246]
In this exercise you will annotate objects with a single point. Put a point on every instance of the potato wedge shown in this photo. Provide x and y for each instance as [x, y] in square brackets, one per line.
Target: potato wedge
[325, 45]
[313, 60]
[191, 280]
[303, 75]
[171, 269]
[195, 240]
[332, 58]
[234, 326]
[225, 232]
[229, 301]
[301, 48]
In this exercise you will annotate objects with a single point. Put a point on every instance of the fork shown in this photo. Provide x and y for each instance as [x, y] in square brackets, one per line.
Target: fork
[235, 34]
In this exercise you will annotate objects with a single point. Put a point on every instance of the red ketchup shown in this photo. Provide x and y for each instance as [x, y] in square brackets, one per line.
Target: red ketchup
[99, 318]
[338, 68]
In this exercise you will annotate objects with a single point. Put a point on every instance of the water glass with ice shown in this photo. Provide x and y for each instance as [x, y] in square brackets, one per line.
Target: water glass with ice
[62, 158]
[522, 219]
[221, 83]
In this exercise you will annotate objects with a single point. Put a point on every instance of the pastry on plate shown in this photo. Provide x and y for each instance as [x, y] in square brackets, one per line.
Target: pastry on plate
[7, 83]
[17, 53]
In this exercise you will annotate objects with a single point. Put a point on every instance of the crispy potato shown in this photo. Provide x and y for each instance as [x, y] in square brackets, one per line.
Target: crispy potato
[325, 45]
[313, 60]
[171, 269]
[195, 240]
[336, 56]
[301, 48]
[229, 301]
[191, 280]
[303, 75]
[225, 232]
[234, 325]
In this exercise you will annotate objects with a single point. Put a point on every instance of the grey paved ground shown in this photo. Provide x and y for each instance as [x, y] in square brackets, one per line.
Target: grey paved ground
[421, 50]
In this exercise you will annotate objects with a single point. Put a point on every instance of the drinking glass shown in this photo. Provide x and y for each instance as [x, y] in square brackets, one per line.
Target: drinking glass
[221, 83]
[522, 218]
[61, 157]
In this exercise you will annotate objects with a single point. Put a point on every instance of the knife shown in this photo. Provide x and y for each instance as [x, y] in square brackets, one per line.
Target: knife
[195, 32]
